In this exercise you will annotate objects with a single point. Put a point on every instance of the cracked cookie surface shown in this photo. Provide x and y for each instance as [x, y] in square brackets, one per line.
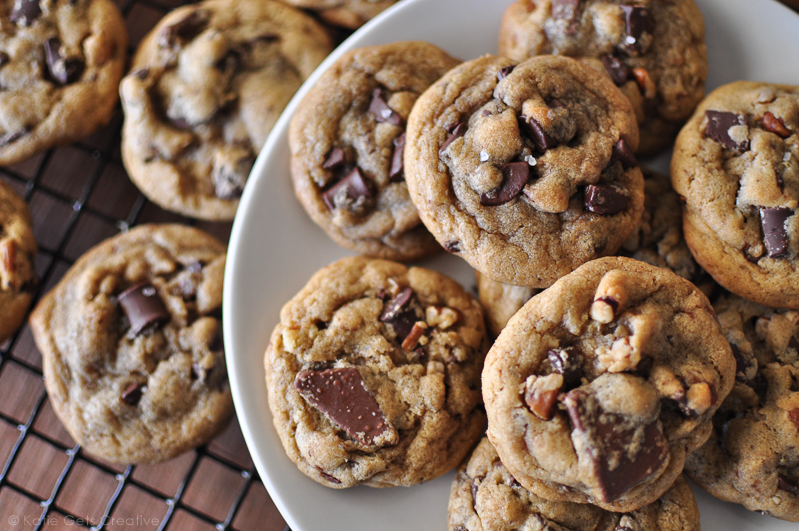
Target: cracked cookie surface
[206, 86]
[373, 374]
[653, 50]
[736, 163]
[526, 171]
[346, 13]
[17, 251]
[752, 456]
[60, 66]
[347, 141]
[486, 497]
[599, 387]
[132, 348]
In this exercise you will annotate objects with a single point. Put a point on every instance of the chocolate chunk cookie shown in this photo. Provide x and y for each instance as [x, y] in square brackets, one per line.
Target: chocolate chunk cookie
[17, 249]
[131, 341]
[347, 141]
[346, 13]
[60, 66]
[736, 163]
[206, 87]
[374, 374]
[486, 497]
[752, 457]
[653, 50]
[600, 386]
[526, 171]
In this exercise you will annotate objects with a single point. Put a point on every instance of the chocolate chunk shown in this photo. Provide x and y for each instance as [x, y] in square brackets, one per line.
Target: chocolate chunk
[604, 200]
[456, 130]
[354, 186]
[331, 479]
[503, 72]
[618, 71]
[400, 314]
[453, 246]
[638, 21]
[4, 59]
[185, 29]
[540, 138]
[396, 172]
[565, 9]
[132, 394]
[772, 220]
[622, 452]
[342, 396]
[230, 176]
[180, 123]
[743, 365]
[541, 393]
[718, 128]
[474, 486]
[25, 12]
[793, 416]
[568, 363]
[143, 307]
[775, 125]
[780, 180]
[141, 73]
[623, 153]
[515, 176]
[61, 69]
[787, 484]
[7, 138]
[335, 159]
[381, 110]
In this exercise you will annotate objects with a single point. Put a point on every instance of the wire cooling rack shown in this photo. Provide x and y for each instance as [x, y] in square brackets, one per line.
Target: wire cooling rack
[80, 195]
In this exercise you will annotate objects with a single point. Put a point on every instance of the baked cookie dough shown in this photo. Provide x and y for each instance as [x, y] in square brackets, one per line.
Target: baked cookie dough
[500, 301]
[752, 456]
[601, 385]
[653, 50]
[347, 140]
[525, 170]
[60, 66]
[131, 343]
[736, 163]
[486, 497]
[206, 86]
[346, 13]
[17, 250]
[373, 374]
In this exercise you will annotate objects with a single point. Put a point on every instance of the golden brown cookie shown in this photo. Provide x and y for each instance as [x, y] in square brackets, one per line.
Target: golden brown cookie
[346, 13]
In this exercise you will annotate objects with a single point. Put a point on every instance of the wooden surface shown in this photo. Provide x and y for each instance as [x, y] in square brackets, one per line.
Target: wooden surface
[80, 195]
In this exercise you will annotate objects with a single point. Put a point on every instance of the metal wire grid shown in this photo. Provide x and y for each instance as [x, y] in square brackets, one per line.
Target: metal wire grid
[56, 255]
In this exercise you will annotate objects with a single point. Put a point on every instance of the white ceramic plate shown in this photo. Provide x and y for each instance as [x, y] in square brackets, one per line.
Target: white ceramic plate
[275, 248]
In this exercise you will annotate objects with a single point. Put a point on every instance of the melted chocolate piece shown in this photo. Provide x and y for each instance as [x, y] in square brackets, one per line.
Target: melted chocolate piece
[623, 455]
[638, 21]
[775, 125]
[474, 487]
[331, 479]
[604, 200]
[396, 172]
[742, 365]
[335, 159]
[61, 69]
[453, 246]
[503, 72]
[381, 110]
[540, 138]
[25, 12]
[618, 71]
[718, 128]
[342, 396]
[515, 176]
[4, 59]
[185, 29]
[7, 138]
[456, 130]
[623, 153]
[787, 484]
[141, 73]
[355, 187]
[772, 220]
[793, 416]
[143, 307]
[132, 394]
[565, 9]
[230, 177]
[568, 363]
[400, 314]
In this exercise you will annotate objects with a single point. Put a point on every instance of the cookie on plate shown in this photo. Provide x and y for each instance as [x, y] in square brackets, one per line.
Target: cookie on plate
[373, 374]
[654, 51]
[60, 66]
[207, 85]
[486, 497]
[17, 250]
[346, 13]
[601, 385]
[752, 456]
[131, 343]
[736, 163]
[525, 170]
[347, 140]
